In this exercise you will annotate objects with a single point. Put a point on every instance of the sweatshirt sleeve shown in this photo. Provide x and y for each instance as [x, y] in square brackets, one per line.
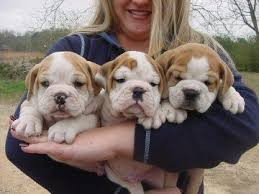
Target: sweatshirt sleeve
[203, 140]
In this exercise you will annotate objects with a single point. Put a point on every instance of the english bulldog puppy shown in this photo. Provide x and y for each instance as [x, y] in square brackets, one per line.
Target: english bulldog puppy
[62, 97]
[133, 84]
[195, 77]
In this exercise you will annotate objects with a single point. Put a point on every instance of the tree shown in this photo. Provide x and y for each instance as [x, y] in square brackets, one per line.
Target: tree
[230, 15]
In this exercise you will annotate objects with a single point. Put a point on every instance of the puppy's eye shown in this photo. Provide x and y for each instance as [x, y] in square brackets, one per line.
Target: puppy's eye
[207, 83]
[78, 84]
[178, 78]
[122, 80]
[45, 84]
[153, 84]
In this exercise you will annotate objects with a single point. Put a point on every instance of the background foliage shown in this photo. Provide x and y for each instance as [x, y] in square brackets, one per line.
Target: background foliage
[244, 51]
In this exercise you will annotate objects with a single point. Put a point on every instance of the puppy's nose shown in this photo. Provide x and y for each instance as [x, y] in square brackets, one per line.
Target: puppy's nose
[60, 98]
[190, 94]
[137, 93]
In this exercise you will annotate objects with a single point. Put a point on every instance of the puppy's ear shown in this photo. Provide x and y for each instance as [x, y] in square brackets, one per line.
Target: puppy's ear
[30, 81]
[93, 69]
[226, 76]
[103, 76]
[158, 67]
[166, 59]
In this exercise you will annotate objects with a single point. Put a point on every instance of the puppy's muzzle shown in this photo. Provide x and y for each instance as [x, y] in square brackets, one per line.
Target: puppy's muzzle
[137, 93]
[190, 94]
[60, 99]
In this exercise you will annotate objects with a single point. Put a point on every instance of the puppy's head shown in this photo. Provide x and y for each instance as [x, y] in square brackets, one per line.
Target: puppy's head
[62, 84]
[134, 83]
[195, 75]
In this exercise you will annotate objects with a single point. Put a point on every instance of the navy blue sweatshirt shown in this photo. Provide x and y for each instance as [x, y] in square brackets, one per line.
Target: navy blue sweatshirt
[201, 141]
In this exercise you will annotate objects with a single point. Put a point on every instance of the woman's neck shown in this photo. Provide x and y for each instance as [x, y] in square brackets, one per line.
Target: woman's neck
[133, 44]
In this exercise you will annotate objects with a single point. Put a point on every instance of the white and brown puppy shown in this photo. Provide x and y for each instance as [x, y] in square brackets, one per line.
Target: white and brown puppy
[61, 98]
[196, 76]
[134, 84]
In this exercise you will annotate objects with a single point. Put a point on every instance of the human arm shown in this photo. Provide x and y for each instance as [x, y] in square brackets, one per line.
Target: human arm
[203, 140]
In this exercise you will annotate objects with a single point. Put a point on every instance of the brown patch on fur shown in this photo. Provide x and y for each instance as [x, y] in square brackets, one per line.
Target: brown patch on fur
[158, 68]
[109, 68]
[88, 68]
[178, 58]
[32, 78]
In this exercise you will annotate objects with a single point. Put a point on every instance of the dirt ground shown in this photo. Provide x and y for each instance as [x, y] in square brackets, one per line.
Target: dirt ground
[242, 178]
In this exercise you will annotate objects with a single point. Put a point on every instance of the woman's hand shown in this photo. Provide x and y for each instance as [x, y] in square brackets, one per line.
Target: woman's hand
[92, 146]
[174, 190]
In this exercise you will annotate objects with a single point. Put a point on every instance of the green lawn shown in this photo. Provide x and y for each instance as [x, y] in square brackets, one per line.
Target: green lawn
[10, 90]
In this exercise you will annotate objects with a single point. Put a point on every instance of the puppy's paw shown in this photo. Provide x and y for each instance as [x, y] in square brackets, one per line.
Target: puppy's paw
[153, 122]
[146, 122]
[28, 126]
[233, 101]
[59, 134]
[172, 114]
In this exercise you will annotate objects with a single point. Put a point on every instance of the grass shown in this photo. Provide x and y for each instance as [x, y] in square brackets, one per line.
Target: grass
[252, 80]
[10, 90]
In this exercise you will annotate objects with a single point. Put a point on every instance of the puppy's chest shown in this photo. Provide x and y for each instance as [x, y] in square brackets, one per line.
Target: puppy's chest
[49, 121]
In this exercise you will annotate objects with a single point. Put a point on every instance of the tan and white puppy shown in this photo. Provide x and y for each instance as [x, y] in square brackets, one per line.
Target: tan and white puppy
[134, 84]
[196, 76]
[61, 98]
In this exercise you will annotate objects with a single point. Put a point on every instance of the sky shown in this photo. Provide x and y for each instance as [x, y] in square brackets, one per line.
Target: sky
[19, 15]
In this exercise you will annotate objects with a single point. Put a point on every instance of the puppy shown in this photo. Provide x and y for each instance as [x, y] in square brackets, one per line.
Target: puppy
[133, 84]
[196, 76]
[62, 97]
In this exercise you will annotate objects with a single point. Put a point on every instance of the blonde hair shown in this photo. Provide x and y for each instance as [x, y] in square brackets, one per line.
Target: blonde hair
[170, 25]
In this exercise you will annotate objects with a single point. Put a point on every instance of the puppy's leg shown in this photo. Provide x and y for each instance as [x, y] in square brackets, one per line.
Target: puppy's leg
[67, 129]
[196, 177]
[232, 101]
[153, 122]
[172, 114]
[133, 188]
[29, 122]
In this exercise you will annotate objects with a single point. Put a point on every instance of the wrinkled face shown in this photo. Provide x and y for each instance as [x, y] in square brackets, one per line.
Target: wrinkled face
[134, 85]
[134, 17]
[62, 87]
[196, 88]
[195, 74]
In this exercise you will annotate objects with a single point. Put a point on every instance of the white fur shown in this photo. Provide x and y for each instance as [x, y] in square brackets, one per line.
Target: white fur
[120, 97]
[119, 106]
[233, 101]
[197, 73]
[64, 125]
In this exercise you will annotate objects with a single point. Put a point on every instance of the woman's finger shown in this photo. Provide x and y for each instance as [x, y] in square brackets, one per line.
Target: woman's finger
[32, 139]
[58, 151]
[165, 191]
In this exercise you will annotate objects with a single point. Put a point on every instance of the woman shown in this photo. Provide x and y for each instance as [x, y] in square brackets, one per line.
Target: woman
[151, 26]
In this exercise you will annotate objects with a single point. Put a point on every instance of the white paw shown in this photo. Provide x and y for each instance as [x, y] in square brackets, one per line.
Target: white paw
[146, 122]
[172, 114]
[153, 122]
[233, 101]
[59, 133]
[28, 126]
